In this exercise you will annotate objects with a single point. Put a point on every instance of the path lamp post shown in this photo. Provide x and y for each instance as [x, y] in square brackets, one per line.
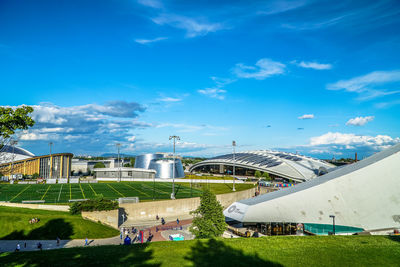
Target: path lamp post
[119, 165]
[233, 147]
[333, 218]
[174, 137]
[13, 143]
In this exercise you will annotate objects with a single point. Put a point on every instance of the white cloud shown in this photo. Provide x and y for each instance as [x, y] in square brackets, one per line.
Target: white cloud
[131, 139]
[213, 93]
[193, 27]
[367, 84]
[263, 69]
[360, 121]
[378, 142]
[147, 41]
[151, 3]
[313, 65]
[191, 128]
[170, 99]
[32, 136]
[306, 117]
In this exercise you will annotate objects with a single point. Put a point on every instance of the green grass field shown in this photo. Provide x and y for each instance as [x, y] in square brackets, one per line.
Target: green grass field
[15, 225]
[269, 251]
[62, 193]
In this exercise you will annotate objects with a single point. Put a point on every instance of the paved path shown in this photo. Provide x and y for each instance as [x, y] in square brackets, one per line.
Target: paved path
[31, 245]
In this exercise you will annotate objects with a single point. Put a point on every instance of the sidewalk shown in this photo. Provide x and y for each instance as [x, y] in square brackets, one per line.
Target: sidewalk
[31, 245]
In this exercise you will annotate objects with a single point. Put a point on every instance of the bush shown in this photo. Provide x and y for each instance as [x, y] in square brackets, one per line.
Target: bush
[99, 165]
[93, 205]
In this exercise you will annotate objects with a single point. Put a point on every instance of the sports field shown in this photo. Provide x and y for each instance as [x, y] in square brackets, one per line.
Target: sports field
[62, 193]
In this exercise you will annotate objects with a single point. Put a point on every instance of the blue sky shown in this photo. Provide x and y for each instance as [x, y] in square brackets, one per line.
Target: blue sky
[311, 77]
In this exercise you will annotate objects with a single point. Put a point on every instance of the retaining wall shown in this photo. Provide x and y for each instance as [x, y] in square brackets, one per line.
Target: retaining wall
[109, 218]
[36, 206]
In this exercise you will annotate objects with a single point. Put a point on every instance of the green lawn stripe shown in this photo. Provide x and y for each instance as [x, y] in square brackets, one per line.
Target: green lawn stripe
[82, 191]
[115, 190]
[137, 190]
[45, 192]
[159, 190]
[70, 193]
[92, 190]
[59, 194]
[20, 192]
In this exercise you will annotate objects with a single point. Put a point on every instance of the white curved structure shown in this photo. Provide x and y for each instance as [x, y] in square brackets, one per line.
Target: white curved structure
[281, 164]
[364, 195]
[9, 154]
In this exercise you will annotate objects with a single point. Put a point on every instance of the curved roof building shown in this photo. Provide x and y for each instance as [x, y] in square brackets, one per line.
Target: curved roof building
[9, 154]
[364, 196]
[162, 164]
[279, 164]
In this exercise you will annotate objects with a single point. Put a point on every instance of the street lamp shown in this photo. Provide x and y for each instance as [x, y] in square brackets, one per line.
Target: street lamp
[174, 137]
[333, 218]
[233, 147]
[119, 165]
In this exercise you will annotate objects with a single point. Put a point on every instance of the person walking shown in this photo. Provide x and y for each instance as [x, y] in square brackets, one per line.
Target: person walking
[86, 242]
[177, 221]
[18, 247]
[58, 241]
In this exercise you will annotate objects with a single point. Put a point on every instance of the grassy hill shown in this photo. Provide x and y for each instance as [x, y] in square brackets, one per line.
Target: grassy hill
[14, 224]
[268, 251]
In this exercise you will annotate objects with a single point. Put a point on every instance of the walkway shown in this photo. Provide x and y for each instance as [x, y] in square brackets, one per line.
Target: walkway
[31, 245]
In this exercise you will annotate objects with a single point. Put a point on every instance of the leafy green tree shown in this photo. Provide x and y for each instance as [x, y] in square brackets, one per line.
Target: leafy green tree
[209, 220]
[133, 162]
[257, 174]
[127, 165]
[99, 165]
[266, 176]
[35, 175]
[13, 119]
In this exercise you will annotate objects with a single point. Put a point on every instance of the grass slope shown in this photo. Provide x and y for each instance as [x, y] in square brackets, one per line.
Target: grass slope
[269, 251]
[14, 224]
[62, 193]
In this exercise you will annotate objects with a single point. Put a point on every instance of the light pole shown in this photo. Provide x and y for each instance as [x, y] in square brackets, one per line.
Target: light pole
[233, 146]
[174, 137]
[13, 143]
[119, 166]
[333, 218]
[51, 161]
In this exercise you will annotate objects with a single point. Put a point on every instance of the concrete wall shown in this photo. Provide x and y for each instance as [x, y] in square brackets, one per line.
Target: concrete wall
[36, 206]
[109, 217]
[179, 208]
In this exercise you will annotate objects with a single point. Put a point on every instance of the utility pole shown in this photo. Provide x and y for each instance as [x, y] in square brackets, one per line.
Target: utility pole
[174, 137]
[13, 143]
[233, 147]
[119, 165]
[51, 161]
[333, 224]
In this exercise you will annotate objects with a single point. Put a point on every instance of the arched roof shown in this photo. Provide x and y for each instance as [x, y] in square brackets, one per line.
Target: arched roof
[16, 150]
[283, 164]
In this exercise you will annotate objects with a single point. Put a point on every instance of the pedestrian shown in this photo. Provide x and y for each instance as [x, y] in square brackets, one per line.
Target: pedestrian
[39, 246]
[86, 242]
[162, 221]
[18, 247]
[25, 245]
[120, 235]
[177, 221]
[58, 241]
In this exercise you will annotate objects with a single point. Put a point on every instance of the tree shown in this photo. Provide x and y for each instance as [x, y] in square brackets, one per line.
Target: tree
[257, 174]
[99, 165]
[266, 176]
[127, 165]
[133, 162]
[208, 218]
[13, 119]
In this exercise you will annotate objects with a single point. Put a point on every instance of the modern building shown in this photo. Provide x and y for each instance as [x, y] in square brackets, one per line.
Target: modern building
[276, 164]
[83, 166]
[364, 196]
[13, 153]
[48, 166]
[122, 174]
[162, 163]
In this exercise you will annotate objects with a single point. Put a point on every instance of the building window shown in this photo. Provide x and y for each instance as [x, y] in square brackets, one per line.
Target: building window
[129, 173]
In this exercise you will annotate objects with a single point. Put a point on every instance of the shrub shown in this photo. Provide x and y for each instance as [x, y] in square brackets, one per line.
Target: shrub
[98, 204]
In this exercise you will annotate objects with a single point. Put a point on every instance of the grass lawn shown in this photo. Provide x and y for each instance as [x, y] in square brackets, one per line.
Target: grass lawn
[267, 251]
[14, 224]
[62, 193]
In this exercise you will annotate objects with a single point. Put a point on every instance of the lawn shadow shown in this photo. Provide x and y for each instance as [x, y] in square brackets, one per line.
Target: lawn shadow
[51, 230]
[216, 253]
[133, 255]
[395, 238]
